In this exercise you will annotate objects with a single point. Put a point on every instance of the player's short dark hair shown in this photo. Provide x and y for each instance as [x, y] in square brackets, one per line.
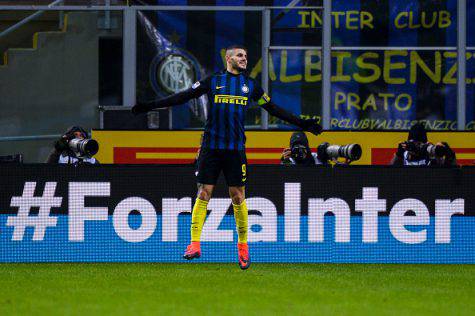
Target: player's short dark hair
[236, 46]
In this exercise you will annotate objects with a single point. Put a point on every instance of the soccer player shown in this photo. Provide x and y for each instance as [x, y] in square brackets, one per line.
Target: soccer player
[229, 93]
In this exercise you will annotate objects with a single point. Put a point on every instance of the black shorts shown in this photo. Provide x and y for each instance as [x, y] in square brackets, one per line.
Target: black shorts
[233, 163]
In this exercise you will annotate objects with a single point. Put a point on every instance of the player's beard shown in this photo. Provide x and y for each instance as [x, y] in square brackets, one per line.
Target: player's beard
[236, 66]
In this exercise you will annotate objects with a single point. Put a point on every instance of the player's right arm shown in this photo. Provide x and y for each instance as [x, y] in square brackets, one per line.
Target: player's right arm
[263, 100]
[197, 89]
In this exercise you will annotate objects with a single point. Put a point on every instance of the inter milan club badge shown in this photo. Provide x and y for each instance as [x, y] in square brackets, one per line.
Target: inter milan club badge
[245, 89]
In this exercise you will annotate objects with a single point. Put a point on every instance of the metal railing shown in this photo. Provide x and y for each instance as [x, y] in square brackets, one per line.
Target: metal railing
[29, 18]
[26, 138]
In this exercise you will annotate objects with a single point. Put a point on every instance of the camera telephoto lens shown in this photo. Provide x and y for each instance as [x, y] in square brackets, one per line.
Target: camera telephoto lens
[85, 147]
[350, 151]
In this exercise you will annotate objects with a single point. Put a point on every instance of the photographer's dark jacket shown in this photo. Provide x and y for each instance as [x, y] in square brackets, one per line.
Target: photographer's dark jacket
[311, 160]
[66, 157]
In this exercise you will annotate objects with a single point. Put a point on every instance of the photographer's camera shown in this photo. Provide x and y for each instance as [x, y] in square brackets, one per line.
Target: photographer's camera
[350, 151]
[421, 150]
[84, 147]
[298, 152]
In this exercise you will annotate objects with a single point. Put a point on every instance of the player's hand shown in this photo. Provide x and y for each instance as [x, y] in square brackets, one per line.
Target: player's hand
[140, 108]
[311, 125]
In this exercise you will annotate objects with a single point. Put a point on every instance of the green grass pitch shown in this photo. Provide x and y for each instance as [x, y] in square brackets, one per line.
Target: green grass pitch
[223, 289]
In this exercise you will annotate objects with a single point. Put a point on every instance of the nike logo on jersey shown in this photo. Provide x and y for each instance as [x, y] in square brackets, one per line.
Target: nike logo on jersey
[219, 87]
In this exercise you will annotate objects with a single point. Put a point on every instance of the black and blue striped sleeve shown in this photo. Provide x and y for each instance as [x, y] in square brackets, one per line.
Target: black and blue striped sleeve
[196, 90]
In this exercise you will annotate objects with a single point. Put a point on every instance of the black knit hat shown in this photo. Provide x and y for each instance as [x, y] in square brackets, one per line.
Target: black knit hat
[417, 133]
[73, 129]
[299, 138]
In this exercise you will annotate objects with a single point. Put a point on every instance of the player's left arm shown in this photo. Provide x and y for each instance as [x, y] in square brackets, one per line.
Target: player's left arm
[309, 125]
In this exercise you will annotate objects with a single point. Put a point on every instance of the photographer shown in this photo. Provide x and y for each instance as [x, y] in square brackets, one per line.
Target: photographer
[417, 151]
[299, 152]
[74, 147]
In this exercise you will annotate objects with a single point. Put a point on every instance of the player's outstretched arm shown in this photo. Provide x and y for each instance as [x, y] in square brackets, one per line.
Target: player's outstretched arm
[197, 90]
[309, 125]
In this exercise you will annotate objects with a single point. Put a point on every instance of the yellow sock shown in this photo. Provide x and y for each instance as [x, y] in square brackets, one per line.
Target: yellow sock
[198, 218]
[240, 216]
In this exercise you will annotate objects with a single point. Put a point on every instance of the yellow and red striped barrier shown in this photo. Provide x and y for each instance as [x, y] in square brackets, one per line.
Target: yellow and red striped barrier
[262, 147]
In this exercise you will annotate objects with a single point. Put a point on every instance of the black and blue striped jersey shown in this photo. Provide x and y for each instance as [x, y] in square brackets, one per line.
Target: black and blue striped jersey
[229, 97]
